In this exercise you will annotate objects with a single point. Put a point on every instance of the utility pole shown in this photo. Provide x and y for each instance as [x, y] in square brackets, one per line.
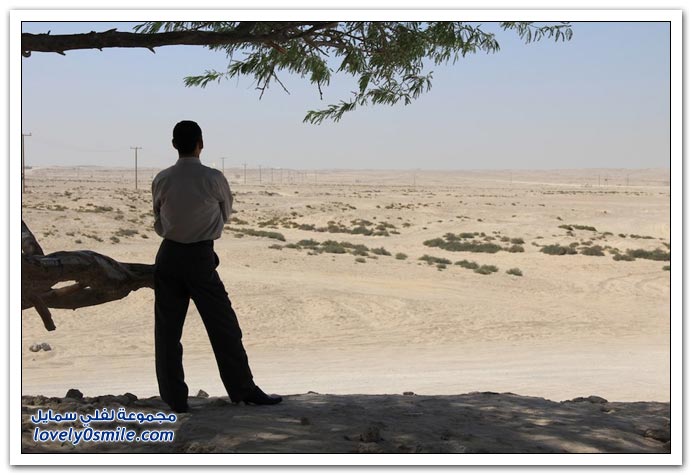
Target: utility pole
[23, 135]
[244, 173]
[223, 165]
[135, 149]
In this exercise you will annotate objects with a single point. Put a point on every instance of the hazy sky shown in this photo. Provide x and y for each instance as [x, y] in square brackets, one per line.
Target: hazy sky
[599, 100]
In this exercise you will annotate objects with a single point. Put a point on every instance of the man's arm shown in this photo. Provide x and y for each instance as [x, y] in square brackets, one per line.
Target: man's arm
[156, 200]
[226, 197]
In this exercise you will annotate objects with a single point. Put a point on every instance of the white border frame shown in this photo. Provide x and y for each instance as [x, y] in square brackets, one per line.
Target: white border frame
[15, 58]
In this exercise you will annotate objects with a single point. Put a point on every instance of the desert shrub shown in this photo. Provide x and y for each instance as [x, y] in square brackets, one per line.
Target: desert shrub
[515, 271]
[468, 235]
[486, 269]
[622, 257]
[126, 232]
[441, 266]
[655, 255]
[381, 251]
[401, 256]
[115, 240]
[276, 246]
[557, 250]
[515, 248]
[306, 227]
[309, 243]
[592, 251]
[504, 239]
[292, 246]
[254, 232]
[666, 268]
[517, 241]
[434, 260]
[333, 247]
[361, 230]
[467, 264]
[361, 260]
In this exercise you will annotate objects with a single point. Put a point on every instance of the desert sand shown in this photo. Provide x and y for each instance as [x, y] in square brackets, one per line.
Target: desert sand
[359, 331]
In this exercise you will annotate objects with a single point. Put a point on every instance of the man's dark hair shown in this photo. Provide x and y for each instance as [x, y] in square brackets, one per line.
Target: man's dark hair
[186, 134]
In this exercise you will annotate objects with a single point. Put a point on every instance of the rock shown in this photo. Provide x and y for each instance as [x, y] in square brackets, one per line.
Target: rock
[75, 394]
[218, 402]
[131, 397]
[36, 347]
[371, 434]
[202, 393]
[591, 399]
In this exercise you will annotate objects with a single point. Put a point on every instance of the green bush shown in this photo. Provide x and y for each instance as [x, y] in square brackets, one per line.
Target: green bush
[622, 257]
[486, 269]
[381, 251]
[515, 271]
[401, 256]
[557, 250]
[515, 248]
[434, 260]
[254, 232]
[467, 264]
[361, 260]
[592, 251]
[655, 255]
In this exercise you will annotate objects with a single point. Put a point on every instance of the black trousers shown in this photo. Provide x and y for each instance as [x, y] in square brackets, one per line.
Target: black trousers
[184, 271]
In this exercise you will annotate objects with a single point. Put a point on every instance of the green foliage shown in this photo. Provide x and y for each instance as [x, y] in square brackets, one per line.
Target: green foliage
[655, 255]
[387, 59]
[434, 260]
[515, 271]
[401, 256]
[254, 232]
[622, 257]
[557, 250]
[486, 269]
[592, 251]
[454, 244]
[467, 264]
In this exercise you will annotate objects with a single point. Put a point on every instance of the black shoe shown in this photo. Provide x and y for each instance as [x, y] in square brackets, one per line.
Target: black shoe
[258, 397]
[180, 409]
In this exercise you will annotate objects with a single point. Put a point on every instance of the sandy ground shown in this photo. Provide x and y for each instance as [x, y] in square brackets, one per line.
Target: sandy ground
[570, 326]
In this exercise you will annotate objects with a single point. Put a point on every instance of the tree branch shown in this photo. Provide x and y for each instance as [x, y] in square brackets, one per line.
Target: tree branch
[119, 39]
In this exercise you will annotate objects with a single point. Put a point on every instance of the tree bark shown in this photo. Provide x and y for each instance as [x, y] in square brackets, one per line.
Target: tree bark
[97, 278]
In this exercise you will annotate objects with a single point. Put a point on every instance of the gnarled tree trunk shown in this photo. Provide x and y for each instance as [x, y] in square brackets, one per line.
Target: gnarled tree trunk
[97, 278]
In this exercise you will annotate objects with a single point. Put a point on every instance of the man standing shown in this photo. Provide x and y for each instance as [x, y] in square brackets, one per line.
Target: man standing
[192, 203]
